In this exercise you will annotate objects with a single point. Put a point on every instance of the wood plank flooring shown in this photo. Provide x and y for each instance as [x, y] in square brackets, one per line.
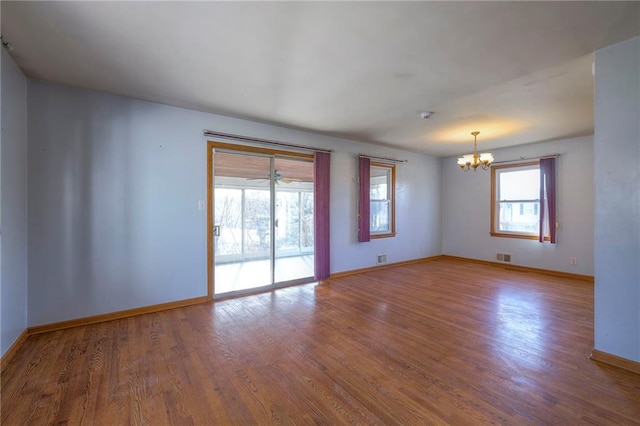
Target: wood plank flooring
[441, 342]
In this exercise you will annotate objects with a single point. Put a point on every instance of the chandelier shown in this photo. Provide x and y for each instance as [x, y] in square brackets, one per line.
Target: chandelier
[472, 161]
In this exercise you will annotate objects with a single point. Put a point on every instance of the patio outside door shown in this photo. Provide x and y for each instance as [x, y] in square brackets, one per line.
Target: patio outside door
[262, 221]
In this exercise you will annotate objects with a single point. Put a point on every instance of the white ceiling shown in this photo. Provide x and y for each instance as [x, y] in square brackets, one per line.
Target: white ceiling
[518, 72]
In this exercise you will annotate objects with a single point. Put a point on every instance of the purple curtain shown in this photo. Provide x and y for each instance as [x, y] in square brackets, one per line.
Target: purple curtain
[364, 202]
[548, 198]
[321, 174]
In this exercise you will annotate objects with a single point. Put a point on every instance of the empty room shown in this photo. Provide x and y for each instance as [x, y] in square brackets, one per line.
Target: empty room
[320, 213]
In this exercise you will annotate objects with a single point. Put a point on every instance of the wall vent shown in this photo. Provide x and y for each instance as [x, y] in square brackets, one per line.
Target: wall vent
[382, 258]
[503, 257]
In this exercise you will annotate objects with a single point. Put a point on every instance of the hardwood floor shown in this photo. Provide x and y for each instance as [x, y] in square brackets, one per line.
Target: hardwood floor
[440, 342]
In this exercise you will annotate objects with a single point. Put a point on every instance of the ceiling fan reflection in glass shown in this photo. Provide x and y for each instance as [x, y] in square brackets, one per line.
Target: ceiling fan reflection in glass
[278, 178]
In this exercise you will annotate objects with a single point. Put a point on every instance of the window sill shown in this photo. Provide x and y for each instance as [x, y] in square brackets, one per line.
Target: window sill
[518, 236]
[376, 236]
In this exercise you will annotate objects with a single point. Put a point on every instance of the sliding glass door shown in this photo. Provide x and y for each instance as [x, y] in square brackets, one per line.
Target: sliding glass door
[293, 220]
[262, 220]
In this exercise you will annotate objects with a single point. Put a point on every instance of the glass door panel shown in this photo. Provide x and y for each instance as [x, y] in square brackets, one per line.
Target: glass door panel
[306, 226]
[293, 259]
[242, 218]
[257, 223]
[228, 218]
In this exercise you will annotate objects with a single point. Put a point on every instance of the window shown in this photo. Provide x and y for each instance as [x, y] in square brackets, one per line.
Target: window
[515, 203]
[381, 184]
[376, 204]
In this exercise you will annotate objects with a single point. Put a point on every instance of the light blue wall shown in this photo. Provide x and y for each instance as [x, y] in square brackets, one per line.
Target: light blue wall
[13, 202]
[617, 200]
[114, 185]
[466, 210]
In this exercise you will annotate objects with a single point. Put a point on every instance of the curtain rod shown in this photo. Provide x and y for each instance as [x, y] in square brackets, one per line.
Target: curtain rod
[526, 159]
[261, 141]
[391, 160]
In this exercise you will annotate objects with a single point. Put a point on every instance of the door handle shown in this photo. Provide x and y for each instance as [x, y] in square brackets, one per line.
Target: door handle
[216, 230]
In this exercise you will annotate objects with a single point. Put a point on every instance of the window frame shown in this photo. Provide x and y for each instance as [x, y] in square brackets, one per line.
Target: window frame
[391, 194]
[495, 171]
